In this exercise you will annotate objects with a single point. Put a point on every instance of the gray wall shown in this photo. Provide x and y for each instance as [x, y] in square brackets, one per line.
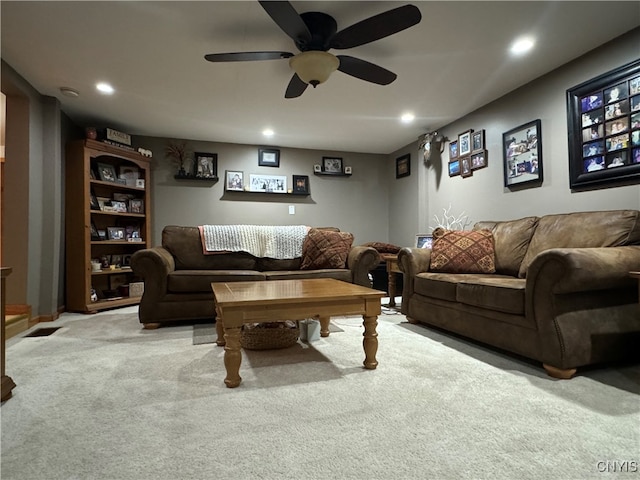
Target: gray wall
[356, 204]
[483, 196]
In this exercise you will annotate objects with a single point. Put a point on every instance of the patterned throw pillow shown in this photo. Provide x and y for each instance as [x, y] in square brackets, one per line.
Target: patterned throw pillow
[325, 249]
[383, 247]
[457, 251]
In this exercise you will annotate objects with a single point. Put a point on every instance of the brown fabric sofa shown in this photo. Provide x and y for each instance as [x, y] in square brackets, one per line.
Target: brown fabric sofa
[561, 294]
[178, 275]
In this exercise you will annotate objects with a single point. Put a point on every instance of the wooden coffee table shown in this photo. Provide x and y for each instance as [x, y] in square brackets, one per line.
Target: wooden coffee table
[238, 303]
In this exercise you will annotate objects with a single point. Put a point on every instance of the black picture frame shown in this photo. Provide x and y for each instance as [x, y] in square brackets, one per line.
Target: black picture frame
[94, 232]
[522, 155]
[234, 180]
[205, 165]
[301, 184]
[477, 141]
[453, 150]
[332, 165]
[403, 166]
[479, 159]
[268, 157]
[115, 233]
[603, 116]
[107, 172]
[464, 143]
[424, 240]
[454, 167]
[465, 167]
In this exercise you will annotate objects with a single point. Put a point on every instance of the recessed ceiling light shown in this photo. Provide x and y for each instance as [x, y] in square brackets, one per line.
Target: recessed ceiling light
[407, 117]
[104, 88]
[522, 45]
[267, 132]
[69, 92]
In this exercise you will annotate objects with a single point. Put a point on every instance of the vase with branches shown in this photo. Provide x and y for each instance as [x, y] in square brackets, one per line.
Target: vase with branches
[177, 153]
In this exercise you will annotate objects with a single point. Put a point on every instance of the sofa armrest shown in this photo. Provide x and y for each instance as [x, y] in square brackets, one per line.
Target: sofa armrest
[154, 266]
[361, 261]
[570, 270]
[411, 261]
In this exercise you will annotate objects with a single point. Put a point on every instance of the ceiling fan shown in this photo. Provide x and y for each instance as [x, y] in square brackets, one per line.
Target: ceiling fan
[315, 32]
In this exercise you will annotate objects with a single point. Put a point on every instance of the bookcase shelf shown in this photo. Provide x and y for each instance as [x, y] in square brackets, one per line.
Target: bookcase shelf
[84, 188]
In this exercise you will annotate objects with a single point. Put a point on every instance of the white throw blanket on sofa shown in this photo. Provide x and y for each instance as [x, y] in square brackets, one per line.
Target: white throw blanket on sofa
[280, 242]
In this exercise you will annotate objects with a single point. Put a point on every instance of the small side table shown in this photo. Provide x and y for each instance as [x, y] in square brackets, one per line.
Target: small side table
[392, 271]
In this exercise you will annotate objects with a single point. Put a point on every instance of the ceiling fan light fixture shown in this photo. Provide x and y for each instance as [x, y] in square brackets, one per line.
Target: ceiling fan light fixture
[314, 67]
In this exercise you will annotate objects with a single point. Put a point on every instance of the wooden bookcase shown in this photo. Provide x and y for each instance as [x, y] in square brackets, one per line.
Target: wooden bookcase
[84, 186]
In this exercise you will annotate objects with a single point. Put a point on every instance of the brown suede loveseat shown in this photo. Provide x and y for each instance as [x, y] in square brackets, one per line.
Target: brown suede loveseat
[561, 293]
[178, 274]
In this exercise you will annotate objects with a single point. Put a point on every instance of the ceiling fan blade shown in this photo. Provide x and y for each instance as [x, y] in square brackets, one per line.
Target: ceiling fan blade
[364, 70]
[377, 27]
[246, 56]
[296, 87]
[288, 20]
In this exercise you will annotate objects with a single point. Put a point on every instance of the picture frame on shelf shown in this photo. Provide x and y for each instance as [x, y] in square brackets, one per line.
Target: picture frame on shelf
[301, 184]
[115, 233]
[478, 160]
[332, 165]
[93, 201]
[454, 168]
[269, 157]
[604, 129]
[464, 143]
[107, 172]
[94, 232]
[132, 233]
[136, 205]
[477, 141]
[129, 173]
[317, 168]
[126, 260]
[453, 150]
[234, 180]
[116, 260]
[140, 183]
[119, 206]
[403, 166]
[522, 155]
[347, 170]
[205, 165]
[102, 234]
[424, 240]
[267, 183]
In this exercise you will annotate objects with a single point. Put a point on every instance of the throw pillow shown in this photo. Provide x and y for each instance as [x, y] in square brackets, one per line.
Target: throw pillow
[325, 249]
[383, 247]
[457, 251]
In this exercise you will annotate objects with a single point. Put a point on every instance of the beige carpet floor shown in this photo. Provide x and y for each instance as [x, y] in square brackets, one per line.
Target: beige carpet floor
[103, 399]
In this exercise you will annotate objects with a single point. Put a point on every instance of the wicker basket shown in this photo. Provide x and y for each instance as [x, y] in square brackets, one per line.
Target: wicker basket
[266, 336]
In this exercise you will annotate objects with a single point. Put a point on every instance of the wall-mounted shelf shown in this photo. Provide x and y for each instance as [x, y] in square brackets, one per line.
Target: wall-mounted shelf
[329, 174]
[200, 179]
[277, 194]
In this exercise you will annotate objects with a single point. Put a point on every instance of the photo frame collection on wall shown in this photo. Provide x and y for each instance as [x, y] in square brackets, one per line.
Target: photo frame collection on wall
[467, 153]
[604, 129]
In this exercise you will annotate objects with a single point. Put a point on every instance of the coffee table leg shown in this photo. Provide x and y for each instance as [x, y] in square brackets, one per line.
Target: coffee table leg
[232, 356]
[220, 331]
[324, 326]
[370, 342]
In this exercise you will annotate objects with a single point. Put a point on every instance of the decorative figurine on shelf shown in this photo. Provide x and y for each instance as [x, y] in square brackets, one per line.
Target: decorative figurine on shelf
[91, 133]
[177, 152]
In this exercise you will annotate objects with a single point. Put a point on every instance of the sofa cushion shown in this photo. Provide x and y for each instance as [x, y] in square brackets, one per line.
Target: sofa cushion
[325, 249]
[511, 240]
[583, 230]
[459, 251]
[383, 247]
[185, 245]
[269, 264]
[191, 281]
[502, 294]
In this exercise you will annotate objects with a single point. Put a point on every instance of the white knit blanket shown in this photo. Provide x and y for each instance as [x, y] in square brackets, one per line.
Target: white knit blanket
[280, 242]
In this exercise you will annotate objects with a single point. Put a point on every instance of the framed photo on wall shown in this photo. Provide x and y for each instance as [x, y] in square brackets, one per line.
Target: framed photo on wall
[454, 168]
[453, 150]
[403, 166]
[464, 143]
[234, 181]
[205, 165]
[268, 157]
[332, 165]
[301, 184]
[604, 129]
[267, 183]
[522, 148]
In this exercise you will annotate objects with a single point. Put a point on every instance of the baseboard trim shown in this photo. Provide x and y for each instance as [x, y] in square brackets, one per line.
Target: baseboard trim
[17, 310]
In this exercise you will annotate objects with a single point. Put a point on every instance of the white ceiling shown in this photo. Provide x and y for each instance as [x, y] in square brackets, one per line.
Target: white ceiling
[453, 62]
